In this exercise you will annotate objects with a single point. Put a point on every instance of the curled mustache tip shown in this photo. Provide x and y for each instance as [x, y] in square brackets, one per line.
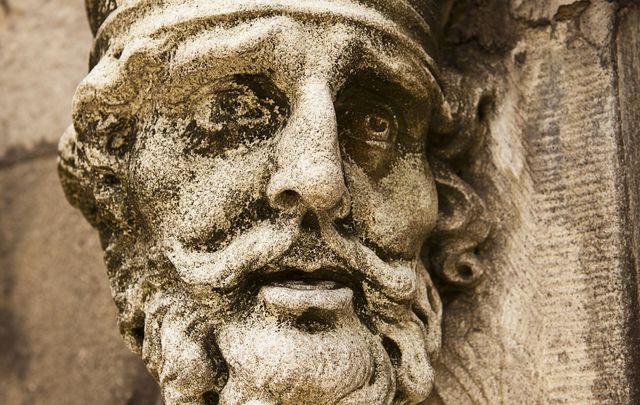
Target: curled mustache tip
[398, 282]
[226, 268]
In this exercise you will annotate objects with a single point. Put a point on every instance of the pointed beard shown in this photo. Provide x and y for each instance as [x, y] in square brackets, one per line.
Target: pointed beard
[198, 350]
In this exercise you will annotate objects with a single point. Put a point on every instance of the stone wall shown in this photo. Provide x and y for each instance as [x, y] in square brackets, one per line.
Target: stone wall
[556, 322]
[58, 335]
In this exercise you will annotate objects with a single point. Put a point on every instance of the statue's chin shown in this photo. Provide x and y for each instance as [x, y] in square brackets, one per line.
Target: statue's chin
[272, 360]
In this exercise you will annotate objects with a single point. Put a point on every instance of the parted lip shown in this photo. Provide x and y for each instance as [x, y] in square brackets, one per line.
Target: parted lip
[329, 277]
[294, 291]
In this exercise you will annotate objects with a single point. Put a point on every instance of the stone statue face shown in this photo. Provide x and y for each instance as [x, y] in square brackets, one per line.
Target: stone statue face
[263, 194]
[292, 194]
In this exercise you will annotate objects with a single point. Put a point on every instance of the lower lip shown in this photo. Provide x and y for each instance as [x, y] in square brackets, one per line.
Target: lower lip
[294, 298]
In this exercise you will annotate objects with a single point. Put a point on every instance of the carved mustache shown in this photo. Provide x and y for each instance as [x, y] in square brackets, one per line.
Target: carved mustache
[267, 242]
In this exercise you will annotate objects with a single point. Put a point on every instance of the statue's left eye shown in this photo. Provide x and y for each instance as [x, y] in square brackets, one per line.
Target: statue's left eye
[368, 133]
[377, 125]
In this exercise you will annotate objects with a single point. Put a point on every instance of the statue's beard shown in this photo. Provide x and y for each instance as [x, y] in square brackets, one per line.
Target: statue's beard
[276, 362]
[301, 318]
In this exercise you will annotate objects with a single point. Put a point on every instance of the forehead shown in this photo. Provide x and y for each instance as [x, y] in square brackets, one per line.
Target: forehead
[169, 64]
[289, 50]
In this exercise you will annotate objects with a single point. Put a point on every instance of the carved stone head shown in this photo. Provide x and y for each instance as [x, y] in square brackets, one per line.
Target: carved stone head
[272, 182]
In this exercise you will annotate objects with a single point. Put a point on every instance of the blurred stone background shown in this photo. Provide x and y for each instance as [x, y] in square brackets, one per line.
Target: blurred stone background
[59, 342]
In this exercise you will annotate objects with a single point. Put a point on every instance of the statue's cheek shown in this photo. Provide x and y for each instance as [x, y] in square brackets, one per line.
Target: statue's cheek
[396, 212]
[157, 170]
[193, 197]
[220, 191]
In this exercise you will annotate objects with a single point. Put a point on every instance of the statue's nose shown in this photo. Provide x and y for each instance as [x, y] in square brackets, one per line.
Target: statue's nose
[309, 171]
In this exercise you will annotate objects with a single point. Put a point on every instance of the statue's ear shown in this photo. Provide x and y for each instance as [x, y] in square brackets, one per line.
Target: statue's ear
[98, 11]
[74, 185]
[462, 225]
[95, 189]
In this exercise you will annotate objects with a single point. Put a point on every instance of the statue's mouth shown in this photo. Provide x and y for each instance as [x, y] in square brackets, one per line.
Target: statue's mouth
[294, 291]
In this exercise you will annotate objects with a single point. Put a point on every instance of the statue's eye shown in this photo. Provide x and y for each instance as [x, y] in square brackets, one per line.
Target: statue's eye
[241, 111]
[378, 125]
[375, 124]
[368, 132]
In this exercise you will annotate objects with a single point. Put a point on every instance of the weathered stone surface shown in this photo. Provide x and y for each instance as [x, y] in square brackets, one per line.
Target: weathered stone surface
[627, 60]
[555, 318]
[556, 322]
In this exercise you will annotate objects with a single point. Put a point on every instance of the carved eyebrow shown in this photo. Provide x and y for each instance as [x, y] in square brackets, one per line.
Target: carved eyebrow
[404, 71]
[230, 49]
[229, 41]
[403, 79]
[235, 49]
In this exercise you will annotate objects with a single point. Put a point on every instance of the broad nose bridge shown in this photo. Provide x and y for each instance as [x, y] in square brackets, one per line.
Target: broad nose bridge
[309, 170]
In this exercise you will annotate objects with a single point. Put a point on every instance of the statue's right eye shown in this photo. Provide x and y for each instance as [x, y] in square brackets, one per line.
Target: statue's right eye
[242, 111]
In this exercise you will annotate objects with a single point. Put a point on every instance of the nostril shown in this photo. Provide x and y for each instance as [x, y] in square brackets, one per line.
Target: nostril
[345, 225]
[310, 222]
[287, 198]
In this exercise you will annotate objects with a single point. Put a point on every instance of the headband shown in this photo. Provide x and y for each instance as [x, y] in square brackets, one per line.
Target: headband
[417, 23]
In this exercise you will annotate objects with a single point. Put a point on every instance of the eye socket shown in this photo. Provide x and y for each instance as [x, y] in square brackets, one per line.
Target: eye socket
[369, 128]
[240, 111]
